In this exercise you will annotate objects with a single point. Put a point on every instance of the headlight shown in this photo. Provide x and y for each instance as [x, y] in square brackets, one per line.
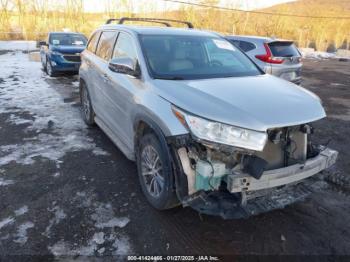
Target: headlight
[222, 133]
[55, 53]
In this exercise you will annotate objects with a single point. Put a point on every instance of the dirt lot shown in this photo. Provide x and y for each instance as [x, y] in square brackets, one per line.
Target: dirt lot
[66, 190]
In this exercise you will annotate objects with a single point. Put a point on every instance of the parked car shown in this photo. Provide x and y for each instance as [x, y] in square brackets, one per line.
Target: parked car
[275, 56]
[61, 52]
[206, 126]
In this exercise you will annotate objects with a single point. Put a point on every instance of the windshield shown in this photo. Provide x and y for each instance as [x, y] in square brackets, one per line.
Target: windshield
[67, 39]
[283, 49]
[180, 57]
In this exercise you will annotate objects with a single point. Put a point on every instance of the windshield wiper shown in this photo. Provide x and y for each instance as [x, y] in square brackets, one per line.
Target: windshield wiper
[170, 78]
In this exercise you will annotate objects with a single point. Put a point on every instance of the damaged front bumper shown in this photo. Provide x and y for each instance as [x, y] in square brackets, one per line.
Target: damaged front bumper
[242, 182]
[244, 195]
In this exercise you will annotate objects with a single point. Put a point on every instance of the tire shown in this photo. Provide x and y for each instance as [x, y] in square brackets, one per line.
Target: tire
[87, 111]
[43, 65]
[160, 193]
[48, 68]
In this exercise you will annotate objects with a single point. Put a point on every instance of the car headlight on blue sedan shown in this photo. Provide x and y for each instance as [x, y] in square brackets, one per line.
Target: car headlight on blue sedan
[222, 133]
[55, 53]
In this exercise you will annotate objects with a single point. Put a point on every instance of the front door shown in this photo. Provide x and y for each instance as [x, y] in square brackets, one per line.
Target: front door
[120, 90]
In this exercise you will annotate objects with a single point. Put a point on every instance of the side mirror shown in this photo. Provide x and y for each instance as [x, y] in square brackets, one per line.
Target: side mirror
[125, 65]
[42, 43]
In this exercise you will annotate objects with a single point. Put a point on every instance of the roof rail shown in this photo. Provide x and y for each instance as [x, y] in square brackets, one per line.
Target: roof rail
[151, 20]
[109, 21]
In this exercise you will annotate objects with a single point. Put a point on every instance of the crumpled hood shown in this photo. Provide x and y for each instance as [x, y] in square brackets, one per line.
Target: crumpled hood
[255, 102]
[67, 49]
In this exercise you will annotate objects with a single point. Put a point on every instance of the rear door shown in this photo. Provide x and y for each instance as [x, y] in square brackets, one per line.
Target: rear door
[89, 70]
[104, 103]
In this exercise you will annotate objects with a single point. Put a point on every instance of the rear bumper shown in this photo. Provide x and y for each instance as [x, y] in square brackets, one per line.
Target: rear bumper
[241, 182]
[290, 73]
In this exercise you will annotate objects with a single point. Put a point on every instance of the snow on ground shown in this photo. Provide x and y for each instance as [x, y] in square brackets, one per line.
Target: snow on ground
[23, 90]
[58, 216]
[21, 211]
[105, 217]
[54, 128]
[17, 120]
[106, 233]
[7, 221]
[311, 53]
[10, 220]
[18, 45]
[4, 182]
[21, 235]
[95, 244]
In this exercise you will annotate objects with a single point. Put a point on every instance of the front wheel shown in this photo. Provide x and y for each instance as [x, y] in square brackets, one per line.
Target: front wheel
[155, 173]
[43, 64]
[49, 70]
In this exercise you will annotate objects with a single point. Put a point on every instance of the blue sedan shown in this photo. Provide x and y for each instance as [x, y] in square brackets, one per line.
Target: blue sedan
[61, 52]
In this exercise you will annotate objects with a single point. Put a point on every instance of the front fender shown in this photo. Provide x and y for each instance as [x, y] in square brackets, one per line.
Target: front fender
[157, 113]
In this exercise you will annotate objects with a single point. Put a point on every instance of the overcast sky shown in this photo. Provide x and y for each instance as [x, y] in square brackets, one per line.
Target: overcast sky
[139, 5]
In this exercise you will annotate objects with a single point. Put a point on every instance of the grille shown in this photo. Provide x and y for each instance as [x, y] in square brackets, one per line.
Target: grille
[72, 58]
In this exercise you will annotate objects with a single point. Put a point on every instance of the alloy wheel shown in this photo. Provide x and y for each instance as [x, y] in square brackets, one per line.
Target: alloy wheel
[85, 103]
[48, 68]
[152, 171]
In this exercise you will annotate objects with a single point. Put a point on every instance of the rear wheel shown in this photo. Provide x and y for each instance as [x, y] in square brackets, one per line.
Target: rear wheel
[87, 111]
[155, 173]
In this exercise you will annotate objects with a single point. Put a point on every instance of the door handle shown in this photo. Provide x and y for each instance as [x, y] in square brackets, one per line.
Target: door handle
[105, 78]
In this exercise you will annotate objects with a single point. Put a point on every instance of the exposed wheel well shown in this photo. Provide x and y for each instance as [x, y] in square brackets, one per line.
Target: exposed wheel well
[81, 81]
[141, 128]
[145, 126]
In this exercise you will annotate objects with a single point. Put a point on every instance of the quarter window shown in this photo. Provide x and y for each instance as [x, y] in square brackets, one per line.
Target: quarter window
[105, 45]
[246, 46]
[235, 42]
[124, 47]
[93, 42]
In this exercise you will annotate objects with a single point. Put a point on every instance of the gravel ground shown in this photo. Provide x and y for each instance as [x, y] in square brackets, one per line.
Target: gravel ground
[67, 193]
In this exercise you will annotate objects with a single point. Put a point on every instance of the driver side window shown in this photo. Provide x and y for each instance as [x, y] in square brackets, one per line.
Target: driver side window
[124, 47]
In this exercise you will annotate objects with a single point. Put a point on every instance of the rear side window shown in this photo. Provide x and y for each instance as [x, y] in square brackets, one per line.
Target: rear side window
[234, 42]
[283, 49]
[124, 47]
[105, 45]
[246, 46]
[93, 42]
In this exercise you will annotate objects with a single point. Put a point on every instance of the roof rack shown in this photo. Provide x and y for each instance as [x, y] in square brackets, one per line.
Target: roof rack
[148, 20]
[151, 20]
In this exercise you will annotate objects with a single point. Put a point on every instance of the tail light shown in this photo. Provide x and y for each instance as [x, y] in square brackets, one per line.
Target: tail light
[268, 57]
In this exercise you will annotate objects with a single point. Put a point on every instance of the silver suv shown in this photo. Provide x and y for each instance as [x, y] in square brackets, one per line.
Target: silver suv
[206, 127]
[275, 56]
